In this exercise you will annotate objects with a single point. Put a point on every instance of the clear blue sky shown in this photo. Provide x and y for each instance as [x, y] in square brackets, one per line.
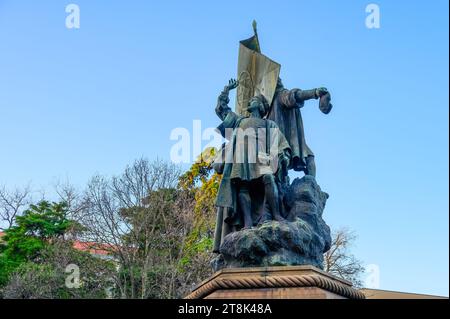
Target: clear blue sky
[77, 102]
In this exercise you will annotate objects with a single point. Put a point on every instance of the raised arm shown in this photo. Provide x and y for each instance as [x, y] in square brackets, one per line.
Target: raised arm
[222, 108]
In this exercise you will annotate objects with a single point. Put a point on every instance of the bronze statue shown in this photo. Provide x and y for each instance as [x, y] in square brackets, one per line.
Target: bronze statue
[262, 218]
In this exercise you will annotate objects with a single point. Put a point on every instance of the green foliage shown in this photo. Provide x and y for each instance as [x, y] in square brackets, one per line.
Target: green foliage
[44, 220]
[7, 266]
[165, 250]
[156, 235]
[203, 183]
[30, 280]
[45, 277]
[200, 172]
[34, 256]
[152, 218]
[34, 230]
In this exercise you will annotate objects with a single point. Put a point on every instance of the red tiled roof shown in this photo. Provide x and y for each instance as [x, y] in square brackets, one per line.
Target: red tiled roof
[93, 248]
[90, 247]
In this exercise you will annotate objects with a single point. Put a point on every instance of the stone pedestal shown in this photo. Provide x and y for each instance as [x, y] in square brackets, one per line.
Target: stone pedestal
[286, 282]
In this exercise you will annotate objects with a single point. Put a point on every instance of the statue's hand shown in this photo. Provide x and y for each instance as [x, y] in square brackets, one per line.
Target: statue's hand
[232, 84]
[321, 91]
[283, 162]
[325, 103]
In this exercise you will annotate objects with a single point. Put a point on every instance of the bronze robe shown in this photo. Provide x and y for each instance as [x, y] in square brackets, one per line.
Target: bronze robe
[240, 163]
[285, 111]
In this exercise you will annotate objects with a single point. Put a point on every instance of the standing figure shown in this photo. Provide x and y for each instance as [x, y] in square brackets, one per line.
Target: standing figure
[256, 151]
[285, 111]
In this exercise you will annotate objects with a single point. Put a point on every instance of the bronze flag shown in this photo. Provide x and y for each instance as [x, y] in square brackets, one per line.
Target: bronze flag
[257, 74]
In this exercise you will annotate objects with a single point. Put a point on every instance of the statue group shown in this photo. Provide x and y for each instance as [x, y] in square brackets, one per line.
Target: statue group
[262, 218]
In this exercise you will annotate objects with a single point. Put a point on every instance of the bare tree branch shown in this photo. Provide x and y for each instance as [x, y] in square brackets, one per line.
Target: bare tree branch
[12, 203]
[339, 261]
[138, 217]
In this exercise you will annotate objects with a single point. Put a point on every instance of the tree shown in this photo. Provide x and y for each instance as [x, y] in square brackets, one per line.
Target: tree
[339, 261]
[143, 220]
[12, 204]
[73, 198]
[34, 255]
[202, 183]
[38, 226]
[45, 277]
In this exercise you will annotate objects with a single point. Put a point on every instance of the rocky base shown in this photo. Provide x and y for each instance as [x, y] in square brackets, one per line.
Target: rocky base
[300, 240]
